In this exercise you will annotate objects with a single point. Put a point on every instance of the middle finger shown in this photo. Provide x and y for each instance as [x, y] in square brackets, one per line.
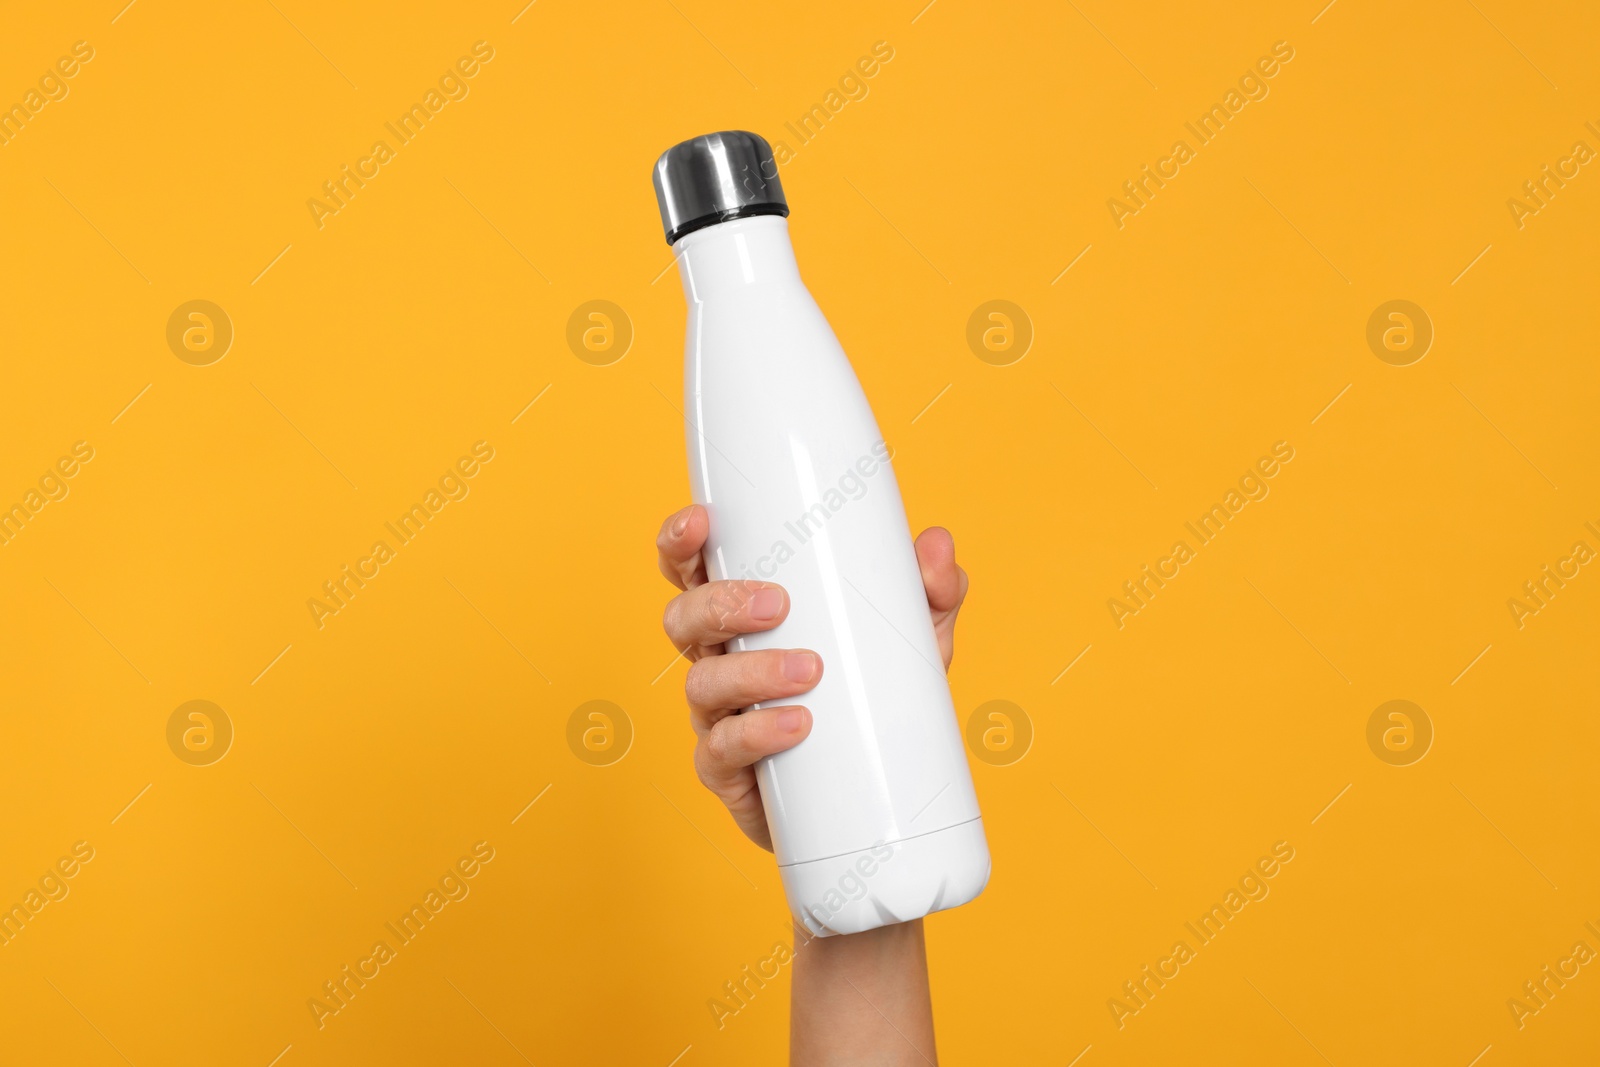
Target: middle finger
[713, 613]
[719, 685]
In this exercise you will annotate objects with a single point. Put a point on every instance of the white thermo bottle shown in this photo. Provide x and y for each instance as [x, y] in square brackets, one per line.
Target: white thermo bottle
[873, 816]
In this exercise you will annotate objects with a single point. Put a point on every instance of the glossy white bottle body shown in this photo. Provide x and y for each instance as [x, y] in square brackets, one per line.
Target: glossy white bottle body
[873, 816]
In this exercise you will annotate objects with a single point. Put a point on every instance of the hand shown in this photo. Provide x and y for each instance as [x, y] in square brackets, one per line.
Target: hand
[702, 618]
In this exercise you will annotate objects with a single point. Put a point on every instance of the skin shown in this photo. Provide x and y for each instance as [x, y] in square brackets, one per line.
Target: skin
[857, 998]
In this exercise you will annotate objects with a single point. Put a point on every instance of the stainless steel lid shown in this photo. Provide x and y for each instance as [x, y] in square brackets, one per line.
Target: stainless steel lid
[714, 178]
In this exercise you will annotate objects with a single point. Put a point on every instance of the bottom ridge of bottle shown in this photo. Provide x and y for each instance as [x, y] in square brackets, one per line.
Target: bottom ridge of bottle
[889, 883]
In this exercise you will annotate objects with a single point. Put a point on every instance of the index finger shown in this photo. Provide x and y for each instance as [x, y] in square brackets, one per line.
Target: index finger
[678, 546]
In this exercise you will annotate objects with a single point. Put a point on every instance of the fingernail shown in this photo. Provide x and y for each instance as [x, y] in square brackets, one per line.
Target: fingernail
[681, 523]
[766, 604]
[800, 666]
[791, 719]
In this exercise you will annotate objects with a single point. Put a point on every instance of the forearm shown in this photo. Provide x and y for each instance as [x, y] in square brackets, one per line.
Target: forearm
[862, 999]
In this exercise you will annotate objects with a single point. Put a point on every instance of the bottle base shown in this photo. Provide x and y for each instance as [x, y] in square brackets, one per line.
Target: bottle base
[887, 884]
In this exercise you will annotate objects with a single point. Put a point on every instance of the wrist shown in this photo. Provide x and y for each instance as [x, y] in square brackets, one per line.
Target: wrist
[877, 945]
[862, 998]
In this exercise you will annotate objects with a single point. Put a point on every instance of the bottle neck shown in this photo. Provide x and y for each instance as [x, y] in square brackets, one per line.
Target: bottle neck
[734, 256]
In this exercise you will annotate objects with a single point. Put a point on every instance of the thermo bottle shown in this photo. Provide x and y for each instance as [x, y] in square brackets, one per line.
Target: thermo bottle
[873, 816]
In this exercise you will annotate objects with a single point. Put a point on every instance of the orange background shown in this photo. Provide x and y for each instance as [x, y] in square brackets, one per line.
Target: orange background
[369, 354]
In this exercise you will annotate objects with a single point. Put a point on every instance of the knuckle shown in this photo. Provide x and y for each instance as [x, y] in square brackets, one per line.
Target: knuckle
[722, 742]
[698, 683]
[705, 767]
[683, 618]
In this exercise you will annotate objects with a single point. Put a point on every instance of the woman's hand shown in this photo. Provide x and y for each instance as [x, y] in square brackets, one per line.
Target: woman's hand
[702, 618]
